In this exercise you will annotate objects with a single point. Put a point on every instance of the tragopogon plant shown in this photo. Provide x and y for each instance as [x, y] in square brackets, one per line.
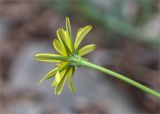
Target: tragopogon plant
[69, 58]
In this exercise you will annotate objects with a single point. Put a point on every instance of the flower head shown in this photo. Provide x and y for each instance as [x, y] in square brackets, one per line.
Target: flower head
[67, 52]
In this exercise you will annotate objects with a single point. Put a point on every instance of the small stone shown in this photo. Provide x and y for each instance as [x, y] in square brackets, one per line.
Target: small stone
[81, 106]
[101, 106]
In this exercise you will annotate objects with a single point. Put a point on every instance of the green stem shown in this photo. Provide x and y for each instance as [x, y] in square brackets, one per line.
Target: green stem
[121, 77]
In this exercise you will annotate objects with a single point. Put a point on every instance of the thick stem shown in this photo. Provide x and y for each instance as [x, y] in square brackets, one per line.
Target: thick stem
[121, 77]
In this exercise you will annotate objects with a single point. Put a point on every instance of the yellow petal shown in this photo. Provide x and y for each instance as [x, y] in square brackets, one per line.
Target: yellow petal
[69, 31]
[81, 34]
[54, 83]
[45, 57]
[58, 77]
[62, 64]
[49, 75]
[59, 47]
[62, 72]
[87, 49]
[70, 81]
[79, 30]
[60, 85]
[62, 69]
[64, 38]
[52, 73]
[68, 26]
[59, 36]
[68, 40]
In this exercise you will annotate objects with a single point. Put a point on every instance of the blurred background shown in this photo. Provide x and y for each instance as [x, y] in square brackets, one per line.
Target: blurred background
[127, 35]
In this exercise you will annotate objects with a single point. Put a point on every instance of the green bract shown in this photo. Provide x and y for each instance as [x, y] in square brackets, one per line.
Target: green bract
[67, 51]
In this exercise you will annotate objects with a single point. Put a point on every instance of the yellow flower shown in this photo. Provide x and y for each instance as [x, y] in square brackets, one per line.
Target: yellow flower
[67, 50]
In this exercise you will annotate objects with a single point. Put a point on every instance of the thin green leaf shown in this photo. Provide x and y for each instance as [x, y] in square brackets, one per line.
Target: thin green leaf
[87, 49]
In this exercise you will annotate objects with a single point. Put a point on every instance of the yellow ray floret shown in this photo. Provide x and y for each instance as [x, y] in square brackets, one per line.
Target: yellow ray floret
[87, 49]
[45, 57]
[81, 34]
[59, 47]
